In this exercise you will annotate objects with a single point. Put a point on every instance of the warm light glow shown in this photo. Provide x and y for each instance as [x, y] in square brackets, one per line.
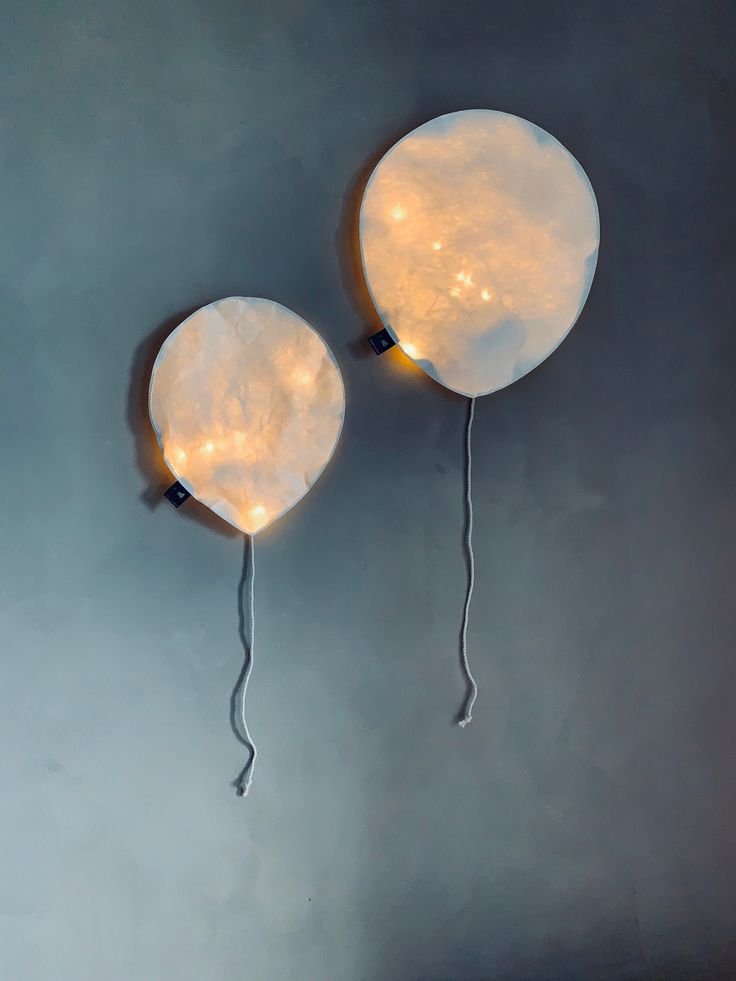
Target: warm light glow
[411, 350]
[513, 224]
[228, 414]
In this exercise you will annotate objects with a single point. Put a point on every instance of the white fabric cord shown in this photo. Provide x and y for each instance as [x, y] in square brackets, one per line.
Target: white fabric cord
[472, 687]
[247, 775]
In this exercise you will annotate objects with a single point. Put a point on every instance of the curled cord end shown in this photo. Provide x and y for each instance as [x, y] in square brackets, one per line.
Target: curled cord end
[243, 782]
[463, 722]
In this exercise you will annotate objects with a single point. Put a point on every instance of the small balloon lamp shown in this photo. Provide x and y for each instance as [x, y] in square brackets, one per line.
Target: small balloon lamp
[247, 402]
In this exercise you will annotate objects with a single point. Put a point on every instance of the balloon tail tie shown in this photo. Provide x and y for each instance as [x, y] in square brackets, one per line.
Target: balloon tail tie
[472, 688]
[246, 776]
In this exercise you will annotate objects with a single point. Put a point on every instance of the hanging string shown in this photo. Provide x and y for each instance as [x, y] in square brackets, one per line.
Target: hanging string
[246, 776]
[472, 687]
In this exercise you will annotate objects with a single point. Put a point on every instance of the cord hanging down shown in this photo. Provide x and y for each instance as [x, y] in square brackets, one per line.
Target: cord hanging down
[246, 776]
[472, 693]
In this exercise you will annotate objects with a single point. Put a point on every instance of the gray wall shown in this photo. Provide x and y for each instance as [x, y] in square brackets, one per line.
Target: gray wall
[156, 156]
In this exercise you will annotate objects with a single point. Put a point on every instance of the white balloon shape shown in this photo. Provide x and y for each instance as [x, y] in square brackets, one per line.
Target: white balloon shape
[479, 235]
[248, 403]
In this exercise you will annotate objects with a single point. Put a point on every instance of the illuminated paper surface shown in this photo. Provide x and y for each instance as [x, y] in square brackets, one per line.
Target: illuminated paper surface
[247, 402]
[479, 236]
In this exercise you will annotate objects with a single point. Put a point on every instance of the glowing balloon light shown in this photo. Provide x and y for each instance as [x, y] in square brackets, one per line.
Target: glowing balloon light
[491, 261]
[248, 403]
[494, 255]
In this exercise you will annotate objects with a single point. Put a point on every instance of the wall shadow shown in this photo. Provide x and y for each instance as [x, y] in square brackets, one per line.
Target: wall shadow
[149, 459]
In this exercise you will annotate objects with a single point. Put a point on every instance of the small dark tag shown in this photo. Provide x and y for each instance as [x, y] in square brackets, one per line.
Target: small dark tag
[381, 341]
[177, 494]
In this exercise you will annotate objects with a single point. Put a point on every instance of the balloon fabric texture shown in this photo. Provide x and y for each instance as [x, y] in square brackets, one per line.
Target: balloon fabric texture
[248, 403]
[479, 237]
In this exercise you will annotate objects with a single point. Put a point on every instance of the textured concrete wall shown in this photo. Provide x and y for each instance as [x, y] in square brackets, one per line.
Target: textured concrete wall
[155, 156]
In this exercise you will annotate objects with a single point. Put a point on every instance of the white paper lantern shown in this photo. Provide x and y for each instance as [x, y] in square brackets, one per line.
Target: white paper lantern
[247, 402]
[479, 237]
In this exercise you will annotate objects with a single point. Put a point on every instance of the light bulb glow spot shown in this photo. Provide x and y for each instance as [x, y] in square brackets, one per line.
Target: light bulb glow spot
[411, 350]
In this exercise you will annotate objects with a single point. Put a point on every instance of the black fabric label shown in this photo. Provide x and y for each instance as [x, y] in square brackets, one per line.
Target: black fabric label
[177, 494]
[381, 341]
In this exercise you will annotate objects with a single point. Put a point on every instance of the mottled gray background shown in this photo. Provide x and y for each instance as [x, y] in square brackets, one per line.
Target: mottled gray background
[157, 155]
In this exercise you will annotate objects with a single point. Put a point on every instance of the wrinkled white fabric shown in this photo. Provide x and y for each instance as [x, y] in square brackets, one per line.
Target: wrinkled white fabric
[247, 402]
[479, 236]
